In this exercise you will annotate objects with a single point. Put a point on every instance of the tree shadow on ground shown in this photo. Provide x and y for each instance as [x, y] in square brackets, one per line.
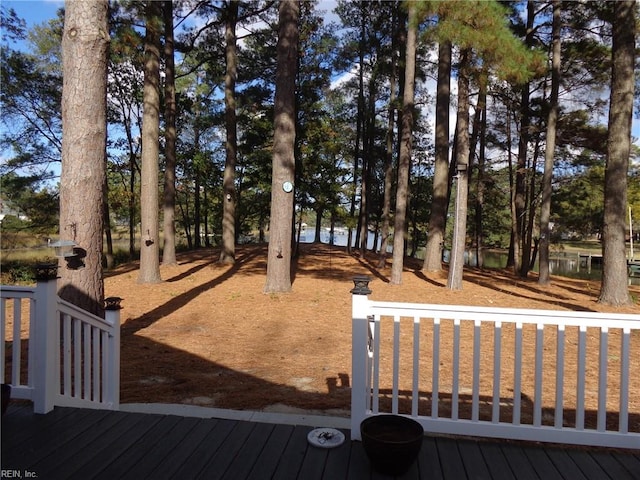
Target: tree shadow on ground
[147, 319]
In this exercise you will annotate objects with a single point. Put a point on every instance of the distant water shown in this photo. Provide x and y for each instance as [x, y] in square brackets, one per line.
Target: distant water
[566, 265]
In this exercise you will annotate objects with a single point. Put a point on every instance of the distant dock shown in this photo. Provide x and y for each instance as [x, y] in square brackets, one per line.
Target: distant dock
[588, 260]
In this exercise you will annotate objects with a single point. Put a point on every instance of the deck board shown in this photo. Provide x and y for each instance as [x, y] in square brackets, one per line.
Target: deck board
[269, 457]
[166, 447]
[450, 458]
[249, 452]
[293, 454]
[473, 460]
[337, 462]
[204, 450]
[630, 463]
[173, 465]
[518, 462]
[98, 456]
[225, 456]
[565, 465]
[496, 461]
[429, 460]
[96, 444]
[138, 451]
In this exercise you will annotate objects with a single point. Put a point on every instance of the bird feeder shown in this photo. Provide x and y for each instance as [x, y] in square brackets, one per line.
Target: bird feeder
[64, 248]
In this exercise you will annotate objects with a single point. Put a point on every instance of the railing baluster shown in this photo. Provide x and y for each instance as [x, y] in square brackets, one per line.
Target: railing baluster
[456, 369]
[517, 376]
[97, 355]
[376, 366]
[497, 352]
[106, 361]
[625, 358]
[3, 326]
[66, 319]
[475, 395]
[435, 375]
[58, 352]
[582, 366]
[16, 354]
[559, 411]
[602, 379]
[396, 363]
[537, 402]
[416, 366]
[77, 359]
[86, 347]
[31, 354]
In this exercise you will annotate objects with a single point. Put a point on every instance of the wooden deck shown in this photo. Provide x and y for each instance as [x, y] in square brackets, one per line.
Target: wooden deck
[85, 444]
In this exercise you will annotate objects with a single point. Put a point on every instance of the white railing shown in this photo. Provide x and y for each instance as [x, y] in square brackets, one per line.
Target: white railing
[60, 354]
[538, 375]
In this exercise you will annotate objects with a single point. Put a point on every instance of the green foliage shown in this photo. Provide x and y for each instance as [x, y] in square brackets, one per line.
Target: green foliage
[483, 27]
[39, 206]
[30, 99]
[18, 274]
[13, 27]
[578, 203]
[12, 223]
[496, 218]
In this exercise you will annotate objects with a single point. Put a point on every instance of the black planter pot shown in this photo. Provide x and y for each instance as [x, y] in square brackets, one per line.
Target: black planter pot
[6, 396]
[391, 442]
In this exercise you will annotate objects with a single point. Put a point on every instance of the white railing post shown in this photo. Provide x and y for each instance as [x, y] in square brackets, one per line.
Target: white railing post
[46, 381]
[112, 366]
[359, 353]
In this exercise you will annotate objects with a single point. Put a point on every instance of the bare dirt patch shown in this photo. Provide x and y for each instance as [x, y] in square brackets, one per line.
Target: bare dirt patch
[208, 335]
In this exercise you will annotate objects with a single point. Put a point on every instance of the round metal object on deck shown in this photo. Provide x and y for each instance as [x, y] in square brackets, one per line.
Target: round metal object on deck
[325, 437]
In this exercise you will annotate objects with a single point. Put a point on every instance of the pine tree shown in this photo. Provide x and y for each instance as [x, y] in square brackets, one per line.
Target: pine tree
[84, 124]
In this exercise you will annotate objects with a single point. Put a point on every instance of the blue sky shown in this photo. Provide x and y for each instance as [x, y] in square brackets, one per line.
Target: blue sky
[34, 11]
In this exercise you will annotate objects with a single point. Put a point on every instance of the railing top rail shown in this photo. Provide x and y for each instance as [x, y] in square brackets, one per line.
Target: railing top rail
[510, 315]
[15, 291]
[77, 312]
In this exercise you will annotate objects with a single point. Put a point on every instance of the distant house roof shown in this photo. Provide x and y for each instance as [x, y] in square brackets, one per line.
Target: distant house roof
[7, 208]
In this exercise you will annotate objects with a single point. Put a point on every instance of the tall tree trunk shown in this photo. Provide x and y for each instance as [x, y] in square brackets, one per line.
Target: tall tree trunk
[399, 48]
[531, 195]
[196, 170]
[109, 259]
[513, 248]
[359, 127]
[169, 192]
[614, 289]
[85, 43]
[404, 159]
[227, 253]
[132, 206]
[388, 160]
[456, 262]
[283, 170]
[319, 214]
[149, 195]
[197, 203]
[521, 266]
[367, 166]
[480, 186]
[552, 120]
[440, 198]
